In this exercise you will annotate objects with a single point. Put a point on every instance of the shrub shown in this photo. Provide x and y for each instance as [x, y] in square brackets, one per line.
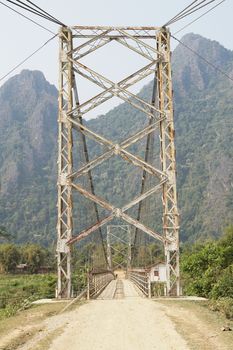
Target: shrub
[223, 305]
[224, 285]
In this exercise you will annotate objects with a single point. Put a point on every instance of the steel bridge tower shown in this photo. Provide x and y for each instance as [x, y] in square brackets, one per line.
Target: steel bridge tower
[114, 235]
[75, 43]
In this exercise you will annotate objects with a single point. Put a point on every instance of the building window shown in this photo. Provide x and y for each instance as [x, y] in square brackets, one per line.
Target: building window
[156, 273]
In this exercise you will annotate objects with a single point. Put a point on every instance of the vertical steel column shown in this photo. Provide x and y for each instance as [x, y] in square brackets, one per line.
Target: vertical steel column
[129, 257]
[109, 252]
[65, 165]
[168, 162]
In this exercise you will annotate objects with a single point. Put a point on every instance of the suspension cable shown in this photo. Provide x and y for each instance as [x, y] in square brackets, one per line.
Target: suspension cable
[31, 11]
[89, 173]
[28, 57]
[181, 12]
[28, 18]
[34, 11]
[196, 19]
[189, 10]
[145, 174]
[204, 59]
[39, 8]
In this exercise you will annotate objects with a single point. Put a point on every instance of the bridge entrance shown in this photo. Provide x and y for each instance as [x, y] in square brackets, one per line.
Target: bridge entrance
[144, 155]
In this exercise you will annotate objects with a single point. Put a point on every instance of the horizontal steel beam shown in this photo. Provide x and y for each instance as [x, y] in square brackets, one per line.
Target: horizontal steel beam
[114, 28]
[114, 37]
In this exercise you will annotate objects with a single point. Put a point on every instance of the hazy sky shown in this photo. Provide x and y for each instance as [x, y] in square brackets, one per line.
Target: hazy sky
[20, 37]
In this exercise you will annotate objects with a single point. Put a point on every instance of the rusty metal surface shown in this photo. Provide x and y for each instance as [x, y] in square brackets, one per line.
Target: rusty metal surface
[160, 117]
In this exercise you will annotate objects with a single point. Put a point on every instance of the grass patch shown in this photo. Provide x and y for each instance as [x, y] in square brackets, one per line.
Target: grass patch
[45, 343]
[18, 291]
[17, 330]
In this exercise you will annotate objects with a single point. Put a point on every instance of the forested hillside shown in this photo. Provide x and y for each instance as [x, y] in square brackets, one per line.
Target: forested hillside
[204, 125]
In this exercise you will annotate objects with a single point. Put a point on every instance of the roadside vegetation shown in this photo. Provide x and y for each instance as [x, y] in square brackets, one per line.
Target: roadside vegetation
[28, 272]
[207, 271]
[18, 291]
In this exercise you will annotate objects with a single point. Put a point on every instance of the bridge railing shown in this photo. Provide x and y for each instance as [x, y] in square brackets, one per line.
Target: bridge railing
[98, 281]
[141, 279]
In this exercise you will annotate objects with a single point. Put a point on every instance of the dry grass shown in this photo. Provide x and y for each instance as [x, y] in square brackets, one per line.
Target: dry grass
[18, 329]
[199, 326]
[47, 341]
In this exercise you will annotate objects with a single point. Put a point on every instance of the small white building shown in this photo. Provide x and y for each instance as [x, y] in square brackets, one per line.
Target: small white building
[157, 272]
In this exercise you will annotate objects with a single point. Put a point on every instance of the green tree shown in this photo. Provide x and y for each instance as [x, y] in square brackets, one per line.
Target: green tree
[9, 257]
[34, 256]
[4, 234]
[224, 286]
[207, 268]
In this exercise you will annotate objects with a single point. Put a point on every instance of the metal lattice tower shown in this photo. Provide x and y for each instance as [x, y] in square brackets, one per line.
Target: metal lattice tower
[119, 234]
[160, 116]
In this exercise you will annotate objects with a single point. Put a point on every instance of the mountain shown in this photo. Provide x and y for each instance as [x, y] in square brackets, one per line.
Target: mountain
[204, 143]
[204, 125]
[28, 110]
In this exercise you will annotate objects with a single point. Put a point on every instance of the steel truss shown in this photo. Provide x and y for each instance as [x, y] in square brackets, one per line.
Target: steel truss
[113, 236]
[160, 117]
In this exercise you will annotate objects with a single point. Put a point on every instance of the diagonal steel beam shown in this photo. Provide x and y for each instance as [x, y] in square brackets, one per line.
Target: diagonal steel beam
[142, 227]
[107, 94]
[120, 151]
[91, 45]
[115, 89]
[125, 43]
[147, 107]
[146, 70]
[128, 142]
[140, 43]
[100, 139]
[115, 212]
[107, 206]
[143, 196]
[95, 77]
[141, 163]
[92, 164]
[118, 238]
[83, 234]
[101, 202]
[141, 134]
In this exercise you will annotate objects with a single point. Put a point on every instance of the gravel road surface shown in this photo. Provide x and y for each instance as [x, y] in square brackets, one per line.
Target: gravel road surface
[127, 323]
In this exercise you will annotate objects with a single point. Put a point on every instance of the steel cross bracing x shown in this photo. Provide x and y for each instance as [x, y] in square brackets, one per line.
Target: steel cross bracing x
[70, 117]
[125, 240]
[112, 89]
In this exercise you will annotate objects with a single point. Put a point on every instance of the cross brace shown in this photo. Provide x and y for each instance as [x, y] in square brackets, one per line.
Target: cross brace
[160, 117]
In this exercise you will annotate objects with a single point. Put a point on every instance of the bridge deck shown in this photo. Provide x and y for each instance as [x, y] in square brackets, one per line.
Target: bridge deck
[119, 289]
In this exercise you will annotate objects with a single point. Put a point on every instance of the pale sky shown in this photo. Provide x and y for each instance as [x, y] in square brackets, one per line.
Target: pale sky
[19, 37]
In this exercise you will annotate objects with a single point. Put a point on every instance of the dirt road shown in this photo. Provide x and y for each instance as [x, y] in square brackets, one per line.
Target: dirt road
[119, 319]
[129, 323]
